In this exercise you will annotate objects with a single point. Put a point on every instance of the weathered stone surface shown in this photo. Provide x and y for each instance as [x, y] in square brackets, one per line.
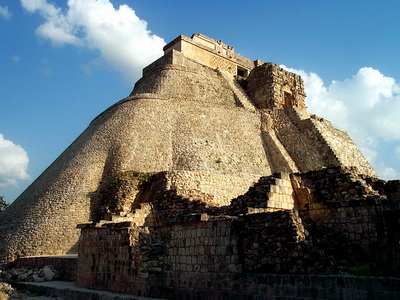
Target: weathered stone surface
[48, 274]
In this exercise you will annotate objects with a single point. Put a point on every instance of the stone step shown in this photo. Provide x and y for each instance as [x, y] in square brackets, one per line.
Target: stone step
[240, 94]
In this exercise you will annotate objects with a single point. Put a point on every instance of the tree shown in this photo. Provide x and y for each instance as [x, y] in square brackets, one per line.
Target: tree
[3, 204]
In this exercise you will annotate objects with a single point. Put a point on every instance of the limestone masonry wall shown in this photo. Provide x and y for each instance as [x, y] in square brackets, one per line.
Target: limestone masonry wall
[344, 202]
[189, 81]
[314, 143]
[278, 156]
[210, 187]
[223, 257]
[336, 218]
[300, 143]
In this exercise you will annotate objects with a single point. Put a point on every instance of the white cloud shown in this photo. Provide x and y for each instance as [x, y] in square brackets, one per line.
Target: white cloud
[367, 106]
[319, 100]
[121, 37]
[13, 163]
[5, 13]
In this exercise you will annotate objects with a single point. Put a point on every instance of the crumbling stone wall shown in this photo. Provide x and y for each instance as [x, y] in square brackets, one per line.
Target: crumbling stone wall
[202, 247]
[338, 220]
[126, 258]
[277, 242]
[219, 259]
[123, 257]
[341, 201]
[110, 258]
[277, 286]
[192, 237]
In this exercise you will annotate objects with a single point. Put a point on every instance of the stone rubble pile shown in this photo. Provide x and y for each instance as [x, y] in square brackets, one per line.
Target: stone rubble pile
[47, 273]
[338, 184]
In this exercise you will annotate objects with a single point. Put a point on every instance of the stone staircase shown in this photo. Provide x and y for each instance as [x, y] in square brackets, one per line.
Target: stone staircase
[240, 94]
[311, 125]
[297, 115]
[300, 140]
[280, 158]
[281, 193]
[269, 194]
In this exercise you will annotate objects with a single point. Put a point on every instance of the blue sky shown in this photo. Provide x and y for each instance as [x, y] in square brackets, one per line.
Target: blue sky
[64, 62]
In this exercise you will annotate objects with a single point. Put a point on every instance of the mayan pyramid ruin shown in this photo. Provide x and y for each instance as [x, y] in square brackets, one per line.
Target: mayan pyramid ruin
[212, 155]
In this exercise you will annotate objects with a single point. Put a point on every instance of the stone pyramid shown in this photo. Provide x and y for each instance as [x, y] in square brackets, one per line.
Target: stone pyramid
[211, 121]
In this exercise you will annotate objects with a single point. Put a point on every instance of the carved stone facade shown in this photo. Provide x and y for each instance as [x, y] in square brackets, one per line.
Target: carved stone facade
[212, 53]
[270, 86]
